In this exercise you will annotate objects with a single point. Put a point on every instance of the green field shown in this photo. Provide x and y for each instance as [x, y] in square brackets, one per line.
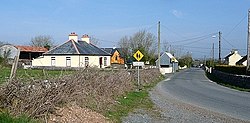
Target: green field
[27, 74]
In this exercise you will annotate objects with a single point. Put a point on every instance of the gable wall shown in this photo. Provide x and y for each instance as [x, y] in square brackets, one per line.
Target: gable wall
[234, 58]
[244, 63]
[116, 58]
[165, 60]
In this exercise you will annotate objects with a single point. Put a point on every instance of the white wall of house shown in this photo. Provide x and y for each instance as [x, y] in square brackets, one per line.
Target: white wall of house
[234, 58]
[181, 68]
[166, 70]
[244, 63]
[71, 61]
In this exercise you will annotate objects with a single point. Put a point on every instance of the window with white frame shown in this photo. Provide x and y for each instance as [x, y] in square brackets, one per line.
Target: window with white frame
[53, 61]
[86, 61]
[105, 61]
[68, 61]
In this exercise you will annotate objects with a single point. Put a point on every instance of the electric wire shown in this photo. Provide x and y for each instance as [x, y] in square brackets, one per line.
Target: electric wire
[236, 25]
[172, 31]
[228, 42]
[190, 39]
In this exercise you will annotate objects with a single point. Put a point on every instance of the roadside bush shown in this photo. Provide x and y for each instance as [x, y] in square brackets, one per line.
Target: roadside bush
[91, 88]
[1, 60]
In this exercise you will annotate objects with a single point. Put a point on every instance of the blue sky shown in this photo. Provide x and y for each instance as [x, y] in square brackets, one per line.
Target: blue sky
[110, 20]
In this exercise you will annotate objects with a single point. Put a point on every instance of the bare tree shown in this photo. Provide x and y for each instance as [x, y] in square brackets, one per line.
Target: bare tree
[94, 40]
[186, 60]
[125, 46]
[4, 56]
[42, 41]
[141, 40]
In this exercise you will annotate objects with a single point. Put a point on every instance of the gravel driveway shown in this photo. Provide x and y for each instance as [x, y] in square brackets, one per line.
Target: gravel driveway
[172, 110]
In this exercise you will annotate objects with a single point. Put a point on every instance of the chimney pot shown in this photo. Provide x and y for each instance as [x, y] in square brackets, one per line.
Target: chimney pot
[73, 36]
[85, 38]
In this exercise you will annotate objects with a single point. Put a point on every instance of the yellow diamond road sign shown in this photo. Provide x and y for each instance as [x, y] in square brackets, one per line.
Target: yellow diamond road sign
[138, 55]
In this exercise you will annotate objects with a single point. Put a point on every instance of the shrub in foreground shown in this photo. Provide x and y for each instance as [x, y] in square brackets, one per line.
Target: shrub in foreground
[91, 88]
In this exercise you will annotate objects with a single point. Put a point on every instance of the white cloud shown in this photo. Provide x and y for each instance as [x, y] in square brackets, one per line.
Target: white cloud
[177, 13]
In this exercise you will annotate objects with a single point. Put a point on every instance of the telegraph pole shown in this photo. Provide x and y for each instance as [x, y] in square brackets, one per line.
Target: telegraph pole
[169, 50]
[219, 47]
[248, 44]
[213, 54]
[159, 41]
[205, 61]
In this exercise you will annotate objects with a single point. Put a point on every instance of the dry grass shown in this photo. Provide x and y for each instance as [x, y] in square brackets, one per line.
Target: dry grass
[89, 88]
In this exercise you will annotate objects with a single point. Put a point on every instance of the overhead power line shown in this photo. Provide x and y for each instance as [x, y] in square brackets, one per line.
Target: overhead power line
[228, 42]
[195, 41]
[173, 31]
[236, 25]
[195, 38]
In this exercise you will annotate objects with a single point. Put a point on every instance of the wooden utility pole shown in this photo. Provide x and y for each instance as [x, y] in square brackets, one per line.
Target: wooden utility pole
[14, 66]
[212, 61]
[248, 44]
[205, 61]
[169, 50]
[159, 41]
[219, 47]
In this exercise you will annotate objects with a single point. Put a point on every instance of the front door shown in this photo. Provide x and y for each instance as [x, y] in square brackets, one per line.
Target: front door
[100, 62]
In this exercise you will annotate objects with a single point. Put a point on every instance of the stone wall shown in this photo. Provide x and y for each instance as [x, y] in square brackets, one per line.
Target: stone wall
[242, 81]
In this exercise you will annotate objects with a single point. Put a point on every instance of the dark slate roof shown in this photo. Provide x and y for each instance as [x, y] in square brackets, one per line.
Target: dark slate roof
[109, 50]
[229, 55]
[112, 50]
[80, 47]
[90, 49]
[240, 62]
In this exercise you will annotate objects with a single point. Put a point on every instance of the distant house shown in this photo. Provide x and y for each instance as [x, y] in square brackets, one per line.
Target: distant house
[232, 58]
[27, 53]
[116, 56]
[242, 61]
[74, 53]
[168, 63]
[30, 52]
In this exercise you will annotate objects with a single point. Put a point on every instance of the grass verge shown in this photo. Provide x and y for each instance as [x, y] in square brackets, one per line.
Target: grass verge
[131, 101]
[7, 118]
[31, 73]
[221, 82]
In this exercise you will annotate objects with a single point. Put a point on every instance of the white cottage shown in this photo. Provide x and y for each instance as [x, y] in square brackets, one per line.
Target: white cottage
[242, 61]
[74, 53]
[232, 58]
[168, 63]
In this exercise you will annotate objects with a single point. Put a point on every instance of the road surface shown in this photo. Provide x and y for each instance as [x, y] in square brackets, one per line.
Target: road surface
[192, 87]
[188, 96]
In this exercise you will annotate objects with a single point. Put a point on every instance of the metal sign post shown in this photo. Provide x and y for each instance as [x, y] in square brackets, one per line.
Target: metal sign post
[138, 78]
[138, 56]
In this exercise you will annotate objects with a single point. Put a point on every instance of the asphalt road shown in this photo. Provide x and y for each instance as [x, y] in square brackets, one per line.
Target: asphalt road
[191, 86]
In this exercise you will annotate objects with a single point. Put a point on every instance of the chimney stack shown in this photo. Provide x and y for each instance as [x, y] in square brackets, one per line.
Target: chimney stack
[234, 51]
[73, 36]
[85, 38]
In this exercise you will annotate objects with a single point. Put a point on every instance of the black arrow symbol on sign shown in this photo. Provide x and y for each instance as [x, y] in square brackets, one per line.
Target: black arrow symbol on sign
[138, 55]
